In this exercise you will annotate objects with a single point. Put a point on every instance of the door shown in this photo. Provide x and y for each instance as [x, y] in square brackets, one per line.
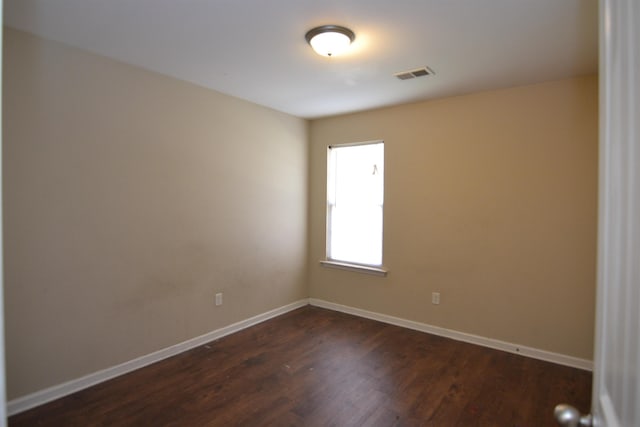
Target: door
[616, 387]
[616, 391]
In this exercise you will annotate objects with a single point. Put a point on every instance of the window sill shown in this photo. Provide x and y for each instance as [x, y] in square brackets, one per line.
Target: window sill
[376, 271]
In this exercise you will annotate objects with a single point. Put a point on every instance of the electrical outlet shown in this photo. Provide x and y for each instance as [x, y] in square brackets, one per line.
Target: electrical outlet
[435, 298]
[219, 298]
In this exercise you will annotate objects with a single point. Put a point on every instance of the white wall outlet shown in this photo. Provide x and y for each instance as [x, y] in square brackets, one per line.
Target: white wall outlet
[435, 298]
[219, 298]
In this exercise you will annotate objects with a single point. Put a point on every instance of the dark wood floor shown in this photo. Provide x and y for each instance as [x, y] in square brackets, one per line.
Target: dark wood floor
[315, 367]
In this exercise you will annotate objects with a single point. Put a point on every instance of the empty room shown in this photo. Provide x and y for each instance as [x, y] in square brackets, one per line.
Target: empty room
[213, 218]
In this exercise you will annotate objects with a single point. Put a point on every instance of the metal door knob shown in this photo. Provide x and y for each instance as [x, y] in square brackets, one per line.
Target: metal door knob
[568, 416]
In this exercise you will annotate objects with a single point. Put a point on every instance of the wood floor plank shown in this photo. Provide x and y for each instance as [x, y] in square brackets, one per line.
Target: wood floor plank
[316, 367]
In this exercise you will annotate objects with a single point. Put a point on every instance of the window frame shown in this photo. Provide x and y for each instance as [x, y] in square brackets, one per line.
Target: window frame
[374, 269]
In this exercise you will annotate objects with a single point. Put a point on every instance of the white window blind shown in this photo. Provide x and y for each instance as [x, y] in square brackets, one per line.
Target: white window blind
[355, 197]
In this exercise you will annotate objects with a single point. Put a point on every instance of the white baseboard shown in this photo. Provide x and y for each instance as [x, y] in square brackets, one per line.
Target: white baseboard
[41, 397]
[535, 353]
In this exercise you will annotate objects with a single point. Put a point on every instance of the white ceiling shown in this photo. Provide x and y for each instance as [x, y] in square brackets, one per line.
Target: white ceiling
[255, 49]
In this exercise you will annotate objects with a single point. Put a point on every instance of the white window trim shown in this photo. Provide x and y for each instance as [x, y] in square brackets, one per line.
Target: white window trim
[358, 268]
[376, 270]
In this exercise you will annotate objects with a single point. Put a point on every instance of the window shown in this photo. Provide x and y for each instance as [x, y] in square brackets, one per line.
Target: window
[355, 195]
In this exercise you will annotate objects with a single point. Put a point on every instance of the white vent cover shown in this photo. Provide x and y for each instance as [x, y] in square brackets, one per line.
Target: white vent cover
[411, 74]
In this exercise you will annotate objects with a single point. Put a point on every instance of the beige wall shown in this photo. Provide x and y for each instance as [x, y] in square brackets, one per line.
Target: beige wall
[130, 200]
[490, 199]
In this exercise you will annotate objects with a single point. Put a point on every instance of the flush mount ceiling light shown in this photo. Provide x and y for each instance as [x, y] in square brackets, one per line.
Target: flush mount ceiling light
[330, 40]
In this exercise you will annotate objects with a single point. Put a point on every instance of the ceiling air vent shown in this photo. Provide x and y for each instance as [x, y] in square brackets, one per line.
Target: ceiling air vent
[411, 74]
